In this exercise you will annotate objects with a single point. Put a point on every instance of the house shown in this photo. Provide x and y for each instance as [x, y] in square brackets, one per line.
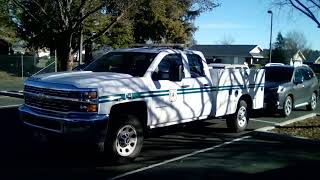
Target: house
[231, 54]
[297, 59]
[317, 61]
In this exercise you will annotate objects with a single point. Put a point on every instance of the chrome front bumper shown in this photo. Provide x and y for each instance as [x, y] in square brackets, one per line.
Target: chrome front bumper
[92, 126]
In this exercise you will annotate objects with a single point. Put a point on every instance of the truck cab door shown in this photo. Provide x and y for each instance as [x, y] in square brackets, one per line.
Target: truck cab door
[167, 81]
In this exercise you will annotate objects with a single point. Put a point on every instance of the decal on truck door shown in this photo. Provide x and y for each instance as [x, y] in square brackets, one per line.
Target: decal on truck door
[173, 95]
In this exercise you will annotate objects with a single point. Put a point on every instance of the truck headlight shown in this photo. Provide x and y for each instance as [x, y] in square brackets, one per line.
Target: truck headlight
[89, 108]
[89, 95]
[280, 89]
[92, 108]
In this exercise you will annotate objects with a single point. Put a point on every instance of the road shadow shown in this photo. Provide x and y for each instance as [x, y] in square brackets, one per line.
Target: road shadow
[20, 157]
[248, 159]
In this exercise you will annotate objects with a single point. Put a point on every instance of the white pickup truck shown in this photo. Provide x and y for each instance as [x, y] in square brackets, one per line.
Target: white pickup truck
[126, 92]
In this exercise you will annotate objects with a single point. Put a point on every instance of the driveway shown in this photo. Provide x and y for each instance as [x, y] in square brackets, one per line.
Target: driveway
[201, 150]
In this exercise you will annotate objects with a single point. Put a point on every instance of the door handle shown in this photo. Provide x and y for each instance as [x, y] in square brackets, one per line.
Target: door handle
[185, 86]
[206, 85]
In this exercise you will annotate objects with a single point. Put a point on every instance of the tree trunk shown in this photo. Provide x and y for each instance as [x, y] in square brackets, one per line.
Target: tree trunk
[88, 55]
[65, 58]
[65, 52]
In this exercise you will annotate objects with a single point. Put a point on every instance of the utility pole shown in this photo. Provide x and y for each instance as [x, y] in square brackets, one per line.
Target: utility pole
[81, 41]
[270, 48]
[55, 61]
[22, 65]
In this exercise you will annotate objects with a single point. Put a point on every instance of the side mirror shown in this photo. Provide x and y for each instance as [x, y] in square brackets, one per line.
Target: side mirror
[298, 80]
[176, 73]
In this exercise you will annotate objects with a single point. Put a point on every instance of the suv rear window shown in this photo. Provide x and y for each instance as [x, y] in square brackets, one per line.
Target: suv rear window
[278, 74]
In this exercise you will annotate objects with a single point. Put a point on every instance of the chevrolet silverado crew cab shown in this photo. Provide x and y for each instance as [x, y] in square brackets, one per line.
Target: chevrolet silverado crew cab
[117, 98]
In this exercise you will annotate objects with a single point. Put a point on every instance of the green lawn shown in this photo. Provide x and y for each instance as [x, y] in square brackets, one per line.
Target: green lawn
[9, 82]
[9, 101]
[11, 85]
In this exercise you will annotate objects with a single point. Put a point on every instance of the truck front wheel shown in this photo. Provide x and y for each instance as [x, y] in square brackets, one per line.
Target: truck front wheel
[124, 139]
[238, 121]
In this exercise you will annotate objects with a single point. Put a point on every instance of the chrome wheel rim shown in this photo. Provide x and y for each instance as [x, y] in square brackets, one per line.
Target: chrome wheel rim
[242, 116]
[288, 106]
[126, 141]
[313, 101]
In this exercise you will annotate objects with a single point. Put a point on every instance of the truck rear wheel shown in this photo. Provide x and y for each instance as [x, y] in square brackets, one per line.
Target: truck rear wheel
[124, 139]
[238, 121]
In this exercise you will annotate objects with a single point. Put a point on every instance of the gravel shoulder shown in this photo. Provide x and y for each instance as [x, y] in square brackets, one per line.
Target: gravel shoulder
[307, 128]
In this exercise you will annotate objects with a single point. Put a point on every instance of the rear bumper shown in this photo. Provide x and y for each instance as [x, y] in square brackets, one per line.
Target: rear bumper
[272, 100]
[80, 128]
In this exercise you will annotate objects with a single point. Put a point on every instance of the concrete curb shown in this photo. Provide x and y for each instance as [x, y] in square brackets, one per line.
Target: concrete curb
[10, 106]
[266, 133]
[15, 94]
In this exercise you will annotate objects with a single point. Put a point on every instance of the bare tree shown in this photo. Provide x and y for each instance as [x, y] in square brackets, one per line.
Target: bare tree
[59, 23]
[295, 41]
[226, 40]
[309, 8]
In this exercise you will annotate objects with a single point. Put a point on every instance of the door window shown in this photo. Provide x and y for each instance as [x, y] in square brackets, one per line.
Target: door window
[163, 70]
[196, 66]
[298, 74]
[305, 74]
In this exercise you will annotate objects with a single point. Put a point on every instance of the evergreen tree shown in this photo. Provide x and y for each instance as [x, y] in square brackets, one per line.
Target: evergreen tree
[279, 51]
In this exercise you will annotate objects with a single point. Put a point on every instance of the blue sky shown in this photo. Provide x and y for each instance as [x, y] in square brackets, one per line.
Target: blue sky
[247, 22]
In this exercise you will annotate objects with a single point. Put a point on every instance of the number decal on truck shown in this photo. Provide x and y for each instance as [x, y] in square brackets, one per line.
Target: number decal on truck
[173, 95]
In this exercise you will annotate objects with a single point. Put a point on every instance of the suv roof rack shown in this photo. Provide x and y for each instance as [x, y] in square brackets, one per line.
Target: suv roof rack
[170, 46]
[274, 64]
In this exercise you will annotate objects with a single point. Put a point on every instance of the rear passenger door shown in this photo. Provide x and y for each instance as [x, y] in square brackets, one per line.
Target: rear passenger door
[298, 89]
[197, 93]
[307, 82]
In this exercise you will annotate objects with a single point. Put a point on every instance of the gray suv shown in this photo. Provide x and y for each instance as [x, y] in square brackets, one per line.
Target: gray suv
[289, 87]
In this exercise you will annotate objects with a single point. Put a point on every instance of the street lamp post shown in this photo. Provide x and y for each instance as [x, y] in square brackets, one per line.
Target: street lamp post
[270, 48]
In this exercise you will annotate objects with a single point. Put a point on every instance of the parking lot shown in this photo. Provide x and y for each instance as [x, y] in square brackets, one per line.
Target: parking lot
[202, 150]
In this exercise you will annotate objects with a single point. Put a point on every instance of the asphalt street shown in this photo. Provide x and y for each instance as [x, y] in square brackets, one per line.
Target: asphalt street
[200, 150]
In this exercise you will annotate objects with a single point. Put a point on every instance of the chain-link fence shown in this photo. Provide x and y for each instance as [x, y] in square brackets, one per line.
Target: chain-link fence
[14, 69]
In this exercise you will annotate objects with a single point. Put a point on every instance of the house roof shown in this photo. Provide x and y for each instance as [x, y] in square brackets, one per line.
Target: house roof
[226, 50]
[317, 60]
[298, 56]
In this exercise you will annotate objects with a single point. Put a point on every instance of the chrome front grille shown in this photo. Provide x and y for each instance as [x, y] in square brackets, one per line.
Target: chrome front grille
[50, 92]
[53, 100]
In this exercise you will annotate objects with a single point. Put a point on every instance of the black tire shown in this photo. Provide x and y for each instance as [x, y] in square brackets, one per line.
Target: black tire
[238, 121]
[124, 139]
[313, 102]
[287, 107]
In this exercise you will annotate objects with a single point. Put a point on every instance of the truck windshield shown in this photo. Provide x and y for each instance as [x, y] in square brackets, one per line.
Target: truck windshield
[278, 74]
[133, 63]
